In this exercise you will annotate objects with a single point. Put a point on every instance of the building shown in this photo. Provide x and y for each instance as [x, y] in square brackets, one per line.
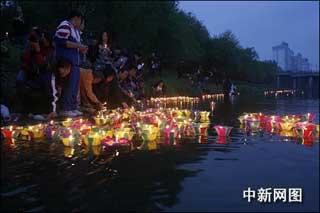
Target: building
[286, 59]
[282, 54]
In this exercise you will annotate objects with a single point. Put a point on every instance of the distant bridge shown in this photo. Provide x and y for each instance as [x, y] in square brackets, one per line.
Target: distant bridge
[307, 82]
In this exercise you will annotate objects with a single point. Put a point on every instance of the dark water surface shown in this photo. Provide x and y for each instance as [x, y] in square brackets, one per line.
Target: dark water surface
[190, 176]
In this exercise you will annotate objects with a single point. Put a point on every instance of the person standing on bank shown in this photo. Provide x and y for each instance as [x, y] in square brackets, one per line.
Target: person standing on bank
[68, 46]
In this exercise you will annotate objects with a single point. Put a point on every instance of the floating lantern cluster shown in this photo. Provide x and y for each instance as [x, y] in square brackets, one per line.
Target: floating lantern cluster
[216, 97]
[280, 92]
[178, 101]
[293, 126]
[117, 127]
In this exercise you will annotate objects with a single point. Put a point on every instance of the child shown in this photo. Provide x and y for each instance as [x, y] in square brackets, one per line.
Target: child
[68, 45]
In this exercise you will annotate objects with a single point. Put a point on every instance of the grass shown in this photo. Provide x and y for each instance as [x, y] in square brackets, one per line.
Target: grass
[176, 87]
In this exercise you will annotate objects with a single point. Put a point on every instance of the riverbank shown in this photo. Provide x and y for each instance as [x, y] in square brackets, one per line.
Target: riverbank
[182, 86]
[10, 63]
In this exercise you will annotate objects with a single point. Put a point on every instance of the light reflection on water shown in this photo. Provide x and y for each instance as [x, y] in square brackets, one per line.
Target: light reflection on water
[203, 174]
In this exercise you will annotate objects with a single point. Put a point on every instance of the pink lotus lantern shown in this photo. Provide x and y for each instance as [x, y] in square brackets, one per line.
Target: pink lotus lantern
[7, 132]
[123, 141]
[305, 129]
[263, 120]
[273, 123]
[108, 141]
[253, 124]
[223, 131]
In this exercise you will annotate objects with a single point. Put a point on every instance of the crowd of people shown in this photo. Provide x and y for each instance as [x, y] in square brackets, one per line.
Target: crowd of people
[63, 75]
[60, 75]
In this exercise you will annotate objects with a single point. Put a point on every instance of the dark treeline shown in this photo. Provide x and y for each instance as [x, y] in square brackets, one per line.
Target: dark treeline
[159, 27]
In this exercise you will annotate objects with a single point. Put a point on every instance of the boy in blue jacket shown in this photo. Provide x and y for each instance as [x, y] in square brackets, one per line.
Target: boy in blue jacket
[68, 46]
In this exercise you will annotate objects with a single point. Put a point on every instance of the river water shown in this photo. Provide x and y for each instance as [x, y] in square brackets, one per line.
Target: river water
[193, 175]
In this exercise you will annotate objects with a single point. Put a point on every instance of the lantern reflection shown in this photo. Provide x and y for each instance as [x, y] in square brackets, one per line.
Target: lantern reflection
[223, 131]
[222, 140]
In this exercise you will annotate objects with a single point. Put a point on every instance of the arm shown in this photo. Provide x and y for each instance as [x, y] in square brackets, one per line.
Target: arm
[62, 36]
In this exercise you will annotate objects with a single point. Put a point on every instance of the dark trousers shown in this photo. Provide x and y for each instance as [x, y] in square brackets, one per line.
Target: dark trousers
[70, 90]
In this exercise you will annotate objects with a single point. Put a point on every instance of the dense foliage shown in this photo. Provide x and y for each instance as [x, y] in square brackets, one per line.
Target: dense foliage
[154, 26]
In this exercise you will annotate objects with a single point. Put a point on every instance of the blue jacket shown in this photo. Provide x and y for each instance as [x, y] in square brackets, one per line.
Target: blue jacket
[66, 32]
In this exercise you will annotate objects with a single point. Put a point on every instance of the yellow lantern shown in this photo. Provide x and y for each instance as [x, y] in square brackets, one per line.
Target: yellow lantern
[37, 131]
[67, 123]
[287, 125]
[100, 120]
[204, 116]
[68, 141]
[92, 138]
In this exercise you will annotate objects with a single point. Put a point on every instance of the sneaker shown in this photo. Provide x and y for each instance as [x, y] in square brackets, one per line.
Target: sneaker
[39, 117]
[68, 114]
[77, 112]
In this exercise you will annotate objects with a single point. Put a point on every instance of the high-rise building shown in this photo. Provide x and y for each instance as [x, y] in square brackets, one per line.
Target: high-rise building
[282, 54]
[286, 59]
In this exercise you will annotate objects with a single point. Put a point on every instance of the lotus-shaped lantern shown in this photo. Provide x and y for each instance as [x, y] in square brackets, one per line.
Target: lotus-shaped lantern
[305, 129]
[244, 117]
[67, 122]
[149, 132]
[287, 125]
[253, 124]
[100, 121]
[273, 123]
[68, 141]
[204, 116]
[187, 113]
[24, 134]
[36, 131]
[108, 141]
[223, 131]
[7, 132]
[289, 134]
[124, 133]
[93, 139]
